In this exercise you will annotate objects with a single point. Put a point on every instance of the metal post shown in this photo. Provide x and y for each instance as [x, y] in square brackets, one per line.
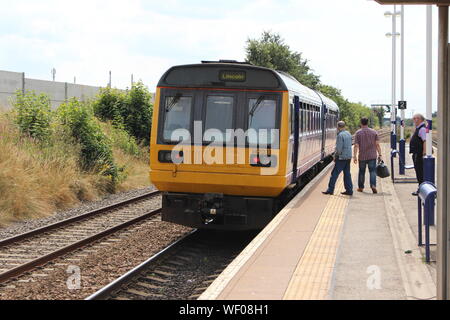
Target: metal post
[429, 162]
[443, 280]
[132, 80]
[394, 81]
[110, 79]
[402, 147]
[420, 224]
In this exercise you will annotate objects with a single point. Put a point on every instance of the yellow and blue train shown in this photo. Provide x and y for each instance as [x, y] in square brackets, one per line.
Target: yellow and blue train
[213, 178]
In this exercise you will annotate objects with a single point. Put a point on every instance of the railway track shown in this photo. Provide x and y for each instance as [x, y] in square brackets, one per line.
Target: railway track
[182, 271]
[27, 251]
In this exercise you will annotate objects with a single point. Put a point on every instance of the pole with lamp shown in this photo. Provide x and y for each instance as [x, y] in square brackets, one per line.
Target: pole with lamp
[429, 162]
[394, 34]
[402, 104]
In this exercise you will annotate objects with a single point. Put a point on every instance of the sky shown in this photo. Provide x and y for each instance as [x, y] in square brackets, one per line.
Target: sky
[345, 41]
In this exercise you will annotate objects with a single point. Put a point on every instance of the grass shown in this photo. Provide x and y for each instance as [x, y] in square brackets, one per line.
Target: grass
[36, 180]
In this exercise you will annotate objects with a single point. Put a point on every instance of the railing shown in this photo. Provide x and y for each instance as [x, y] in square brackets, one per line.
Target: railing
[426, 204]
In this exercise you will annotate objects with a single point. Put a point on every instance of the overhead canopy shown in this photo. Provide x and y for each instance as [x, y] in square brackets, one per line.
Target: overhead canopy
[438, 2]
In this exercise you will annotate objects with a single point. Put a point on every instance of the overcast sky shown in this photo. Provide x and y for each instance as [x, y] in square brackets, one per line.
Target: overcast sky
[344, 40]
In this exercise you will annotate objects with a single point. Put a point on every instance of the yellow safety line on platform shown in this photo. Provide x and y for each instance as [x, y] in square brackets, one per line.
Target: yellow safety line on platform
[219, 285]
[311, 280]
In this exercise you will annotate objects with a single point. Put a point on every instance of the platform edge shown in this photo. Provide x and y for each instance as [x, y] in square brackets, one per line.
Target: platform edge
[219, 285]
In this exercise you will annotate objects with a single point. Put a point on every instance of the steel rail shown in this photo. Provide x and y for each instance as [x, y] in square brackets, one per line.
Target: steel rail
[66, 222]
[108, 290]
[72, 247]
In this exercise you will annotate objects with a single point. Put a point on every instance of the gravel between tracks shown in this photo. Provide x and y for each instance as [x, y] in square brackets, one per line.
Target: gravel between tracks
[25, 226]
[100, 267]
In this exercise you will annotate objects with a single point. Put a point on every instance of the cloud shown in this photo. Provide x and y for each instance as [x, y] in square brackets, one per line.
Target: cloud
[344, 40]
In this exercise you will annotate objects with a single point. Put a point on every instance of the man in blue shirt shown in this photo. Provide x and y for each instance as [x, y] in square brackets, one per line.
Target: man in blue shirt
[343, 159]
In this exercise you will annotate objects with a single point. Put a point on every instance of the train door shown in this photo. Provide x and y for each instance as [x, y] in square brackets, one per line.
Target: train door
[296, 133]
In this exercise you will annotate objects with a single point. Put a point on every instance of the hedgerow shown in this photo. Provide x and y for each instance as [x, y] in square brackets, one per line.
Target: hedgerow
[131, 110]
[96, 150]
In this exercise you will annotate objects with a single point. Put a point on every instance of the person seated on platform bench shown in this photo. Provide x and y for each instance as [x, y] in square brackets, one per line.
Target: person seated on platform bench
[418, 146]
[343, 159]
[367, 147]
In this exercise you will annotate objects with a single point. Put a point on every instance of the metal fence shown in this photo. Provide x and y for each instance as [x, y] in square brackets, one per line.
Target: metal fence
[11, 82]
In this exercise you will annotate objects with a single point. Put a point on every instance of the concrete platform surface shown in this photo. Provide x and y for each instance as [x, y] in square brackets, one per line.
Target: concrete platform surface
[334, 247]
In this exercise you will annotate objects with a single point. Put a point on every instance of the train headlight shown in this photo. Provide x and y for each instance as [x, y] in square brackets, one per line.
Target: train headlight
[264, 161]
[174, 156]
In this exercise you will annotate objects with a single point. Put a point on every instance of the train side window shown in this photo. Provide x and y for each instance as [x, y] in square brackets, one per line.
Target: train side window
[315, 121]
[219, 116]
[307, 120]
[177, 116]
[302, 119]
[292, 118]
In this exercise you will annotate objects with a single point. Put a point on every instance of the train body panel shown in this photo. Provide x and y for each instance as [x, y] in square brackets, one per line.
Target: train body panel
[197, 105]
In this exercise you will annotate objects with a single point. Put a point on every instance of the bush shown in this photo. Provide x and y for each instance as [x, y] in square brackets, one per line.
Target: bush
[121, 139]
[138, 112]
[33, 114]
[109, 105]
[131, 111]
[96, 151]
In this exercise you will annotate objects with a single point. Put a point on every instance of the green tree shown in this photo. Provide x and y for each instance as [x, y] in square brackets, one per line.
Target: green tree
[271, 51]
[380, 112]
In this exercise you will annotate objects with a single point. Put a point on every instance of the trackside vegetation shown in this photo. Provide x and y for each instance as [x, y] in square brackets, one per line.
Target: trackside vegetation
[53, 159]
[131, 111]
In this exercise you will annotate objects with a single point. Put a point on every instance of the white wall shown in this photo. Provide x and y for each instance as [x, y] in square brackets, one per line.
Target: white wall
[11, 82]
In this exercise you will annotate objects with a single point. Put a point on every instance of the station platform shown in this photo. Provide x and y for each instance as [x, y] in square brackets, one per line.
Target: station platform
[335, 248]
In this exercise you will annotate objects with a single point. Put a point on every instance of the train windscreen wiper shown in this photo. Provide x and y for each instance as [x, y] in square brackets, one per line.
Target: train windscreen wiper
[255, 107]
[173, 102]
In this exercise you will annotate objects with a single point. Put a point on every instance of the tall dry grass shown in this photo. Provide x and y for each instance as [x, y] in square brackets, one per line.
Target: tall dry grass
[36, 180]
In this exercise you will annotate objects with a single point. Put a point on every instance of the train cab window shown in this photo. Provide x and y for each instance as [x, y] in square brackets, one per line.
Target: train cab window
[177, 116]
[219, 116]
[262, 116]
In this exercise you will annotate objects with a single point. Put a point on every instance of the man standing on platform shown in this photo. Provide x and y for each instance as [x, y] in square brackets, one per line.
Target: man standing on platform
[367, 144]
[343, 161]
[418, 146]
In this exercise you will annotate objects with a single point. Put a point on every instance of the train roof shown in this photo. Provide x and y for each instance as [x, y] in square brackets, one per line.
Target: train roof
[234, 75]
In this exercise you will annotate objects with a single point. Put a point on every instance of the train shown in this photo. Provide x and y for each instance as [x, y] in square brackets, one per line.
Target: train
[231, 140]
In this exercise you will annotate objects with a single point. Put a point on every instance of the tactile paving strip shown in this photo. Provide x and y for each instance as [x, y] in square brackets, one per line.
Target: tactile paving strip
[311, 280]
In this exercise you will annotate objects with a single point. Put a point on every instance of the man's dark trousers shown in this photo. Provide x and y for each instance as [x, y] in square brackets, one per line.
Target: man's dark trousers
[341, 165]
[418, 166]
